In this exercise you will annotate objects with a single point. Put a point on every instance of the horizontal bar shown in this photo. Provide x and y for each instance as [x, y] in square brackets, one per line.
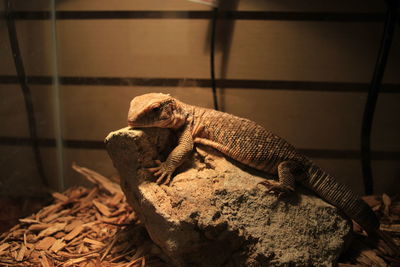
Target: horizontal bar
[226, 83]
[99, 145]
[233, 15]
[48, 142]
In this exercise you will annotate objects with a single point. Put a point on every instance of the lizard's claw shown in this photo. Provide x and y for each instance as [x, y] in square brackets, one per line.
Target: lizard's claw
[277, 189]
[163, 174]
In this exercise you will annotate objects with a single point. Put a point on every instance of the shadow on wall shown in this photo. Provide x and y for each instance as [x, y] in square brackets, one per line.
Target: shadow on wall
[223, 40]
[325, 34]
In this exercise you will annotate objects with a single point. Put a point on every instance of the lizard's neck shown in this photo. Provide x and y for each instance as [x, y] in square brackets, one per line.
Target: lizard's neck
[183, 115]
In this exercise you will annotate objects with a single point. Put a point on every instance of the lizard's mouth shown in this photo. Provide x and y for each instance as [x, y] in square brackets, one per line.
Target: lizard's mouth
[163, 123]
[138, 125]
[132, 124]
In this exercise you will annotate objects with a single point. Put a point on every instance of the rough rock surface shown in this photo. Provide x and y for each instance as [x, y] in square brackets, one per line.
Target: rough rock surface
[214, 213]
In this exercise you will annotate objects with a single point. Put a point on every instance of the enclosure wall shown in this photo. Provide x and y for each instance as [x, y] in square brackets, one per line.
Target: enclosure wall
[299, 68]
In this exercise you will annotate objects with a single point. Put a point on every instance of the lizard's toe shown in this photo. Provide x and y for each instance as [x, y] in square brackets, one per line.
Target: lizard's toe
[164, 179]
[269, 184]
[276, 188]
[162, 173]
[157, 168]
[280, 190]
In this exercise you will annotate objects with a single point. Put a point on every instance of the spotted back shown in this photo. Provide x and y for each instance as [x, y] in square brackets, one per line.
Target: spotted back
[242, 140]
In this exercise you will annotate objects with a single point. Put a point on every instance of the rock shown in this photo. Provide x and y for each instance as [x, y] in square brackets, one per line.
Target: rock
[214, 212]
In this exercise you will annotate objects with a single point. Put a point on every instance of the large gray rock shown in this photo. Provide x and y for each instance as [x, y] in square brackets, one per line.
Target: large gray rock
[214, 212]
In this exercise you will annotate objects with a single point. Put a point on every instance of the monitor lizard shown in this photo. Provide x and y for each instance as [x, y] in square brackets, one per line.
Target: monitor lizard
[248, 143]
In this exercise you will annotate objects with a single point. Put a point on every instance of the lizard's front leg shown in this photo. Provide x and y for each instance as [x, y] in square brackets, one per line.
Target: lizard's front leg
[165, 169]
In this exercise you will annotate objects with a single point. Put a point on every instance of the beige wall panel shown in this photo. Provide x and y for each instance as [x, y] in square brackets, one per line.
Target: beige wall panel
[13, 117]
[312, 5]
[37, 5]
[69, 5]
[273, 50]
[91, 112]
[44, 105]
[133, 48]
[13, 114]
[7, 66]
[18, 171]
[35, 42]
[330, 120]
[306, 51]
[392, 71]
[386, 176]
[386, 124]
[51, 166]
[277, 5]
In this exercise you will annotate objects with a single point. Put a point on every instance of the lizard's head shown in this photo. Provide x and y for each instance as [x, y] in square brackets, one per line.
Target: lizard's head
[155, 110]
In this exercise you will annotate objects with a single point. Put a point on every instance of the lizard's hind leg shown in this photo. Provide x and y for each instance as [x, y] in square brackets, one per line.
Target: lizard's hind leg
[287, 173]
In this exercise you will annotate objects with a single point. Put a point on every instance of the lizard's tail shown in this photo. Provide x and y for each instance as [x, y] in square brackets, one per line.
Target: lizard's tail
[342, 197]
[352, 205]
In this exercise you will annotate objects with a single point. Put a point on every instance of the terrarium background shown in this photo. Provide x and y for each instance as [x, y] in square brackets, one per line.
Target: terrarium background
[305, 79]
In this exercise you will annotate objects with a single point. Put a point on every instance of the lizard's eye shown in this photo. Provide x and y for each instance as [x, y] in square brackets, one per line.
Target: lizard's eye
[156, 109]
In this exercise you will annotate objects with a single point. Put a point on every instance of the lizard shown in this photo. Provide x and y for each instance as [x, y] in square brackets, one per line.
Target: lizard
[250, 144]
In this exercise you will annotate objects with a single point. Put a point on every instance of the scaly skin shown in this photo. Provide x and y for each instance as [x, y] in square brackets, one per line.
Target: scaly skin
[246, 142]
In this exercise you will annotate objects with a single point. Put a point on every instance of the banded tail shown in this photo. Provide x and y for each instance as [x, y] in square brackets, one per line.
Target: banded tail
[342, 197]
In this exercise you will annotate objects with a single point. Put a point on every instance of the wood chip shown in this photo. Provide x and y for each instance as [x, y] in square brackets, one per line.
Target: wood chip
[60, 196]
[116, 200]
[390, 227]
[386, 202]
[395, 208]
[21, 253]
[3, 247]
[38, 227]
[27, 220]
[54, 228]
[49, 210]
[73, 224]
[76, 231]
[45, 243]
[94, 242]
[102, 208]
[375, 260]
[75, 261]
[54, 216]
[44, 261]
[59, 244]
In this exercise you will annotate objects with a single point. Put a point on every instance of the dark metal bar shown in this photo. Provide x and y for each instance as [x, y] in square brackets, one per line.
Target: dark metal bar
[235, 15]
[99, 145]
[12, 32]
[212, 57]
[49, 142]
[231, 83]
[387, 37]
